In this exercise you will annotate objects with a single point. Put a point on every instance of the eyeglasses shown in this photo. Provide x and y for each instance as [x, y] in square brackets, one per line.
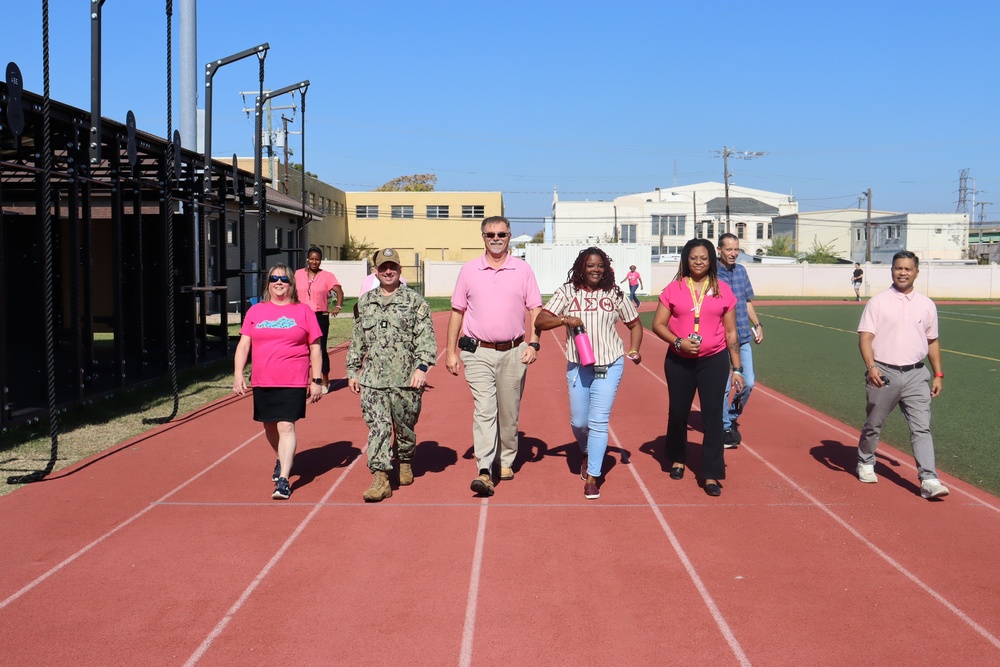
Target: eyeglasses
[498, 235]
[279, 279]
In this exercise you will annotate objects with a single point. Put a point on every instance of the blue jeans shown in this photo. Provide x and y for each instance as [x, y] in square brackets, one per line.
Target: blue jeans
[731, 414]
[631, 292]
[590, 402]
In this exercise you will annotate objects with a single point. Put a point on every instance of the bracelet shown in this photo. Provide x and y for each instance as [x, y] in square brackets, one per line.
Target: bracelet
[939, 375]
[736, 372]
[633, 351]
[869, 368]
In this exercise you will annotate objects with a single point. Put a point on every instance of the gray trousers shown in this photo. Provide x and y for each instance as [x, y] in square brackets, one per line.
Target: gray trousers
[911, 392]
[497, 383]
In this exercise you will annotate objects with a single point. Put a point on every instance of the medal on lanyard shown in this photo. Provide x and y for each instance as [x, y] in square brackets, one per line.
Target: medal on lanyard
[697, 300]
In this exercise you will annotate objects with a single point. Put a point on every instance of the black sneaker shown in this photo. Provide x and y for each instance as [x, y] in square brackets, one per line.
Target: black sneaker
[276, 475]
[281, 489]
[728, 439]
[737, 438]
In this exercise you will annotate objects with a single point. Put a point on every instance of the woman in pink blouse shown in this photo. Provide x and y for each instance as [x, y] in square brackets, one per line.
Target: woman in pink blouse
[696, 315]
[314, 287]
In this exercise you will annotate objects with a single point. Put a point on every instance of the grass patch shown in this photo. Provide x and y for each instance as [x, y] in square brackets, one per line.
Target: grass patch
[810, 353]
[91, 429]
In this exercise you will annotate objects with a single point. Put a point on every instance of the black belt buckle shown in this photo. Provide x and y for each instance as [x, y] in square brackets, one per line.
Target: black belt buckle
[600, 372]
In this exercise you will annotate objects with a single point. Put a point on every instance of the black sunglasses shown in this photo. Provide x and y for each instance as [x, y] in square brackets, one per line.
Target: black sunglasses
[278, 279]
[499, 235]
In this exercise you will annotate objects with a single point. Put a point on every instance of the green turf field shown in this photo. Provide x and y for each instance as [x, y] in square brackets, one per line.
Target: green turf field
[810, 353]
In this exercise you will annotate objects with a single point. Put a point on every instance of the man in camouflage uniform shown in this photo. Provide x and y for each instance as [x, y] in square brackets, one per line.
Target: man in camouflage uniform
[392, 347]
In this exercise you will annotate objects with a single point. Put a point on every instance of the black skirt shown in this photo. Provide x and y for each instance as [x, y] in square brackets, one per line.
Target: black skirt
[279, 404]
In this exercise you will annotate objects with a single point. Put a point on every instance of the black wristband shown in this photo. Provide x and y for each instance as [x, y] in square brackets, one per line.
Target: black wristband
[422, 367]
[536, 346]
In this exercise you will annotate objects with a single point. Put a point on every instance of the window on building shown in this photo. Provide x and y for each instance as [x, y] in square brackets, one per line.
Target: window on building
[402, 211]
[760, 230]
[667, 225]
[858, 233]
[888, 232]
[437, 212]
[628, 234]
[937, 230]
[277, 238]
[366, 211]
[770, 229]
[741, 230]
[709, 229]
[473, 211]
[290, 239]
[231, 233]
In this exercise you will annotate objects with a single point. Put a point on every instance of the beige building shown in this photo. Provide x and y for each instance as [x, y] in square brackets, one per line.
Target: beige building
[437, 225]
[832, 228]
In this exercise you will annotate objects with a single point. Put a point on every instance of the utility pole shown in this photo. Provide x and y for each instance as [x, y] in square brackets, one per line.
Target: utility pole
[726, 153]
[269, 131]
[868, 228]
[982, 221]
[284, 176]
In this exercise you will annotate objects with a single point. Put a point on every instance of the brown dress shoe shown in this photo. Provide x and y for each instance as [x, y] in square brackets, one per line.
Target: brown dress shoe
[483, 485]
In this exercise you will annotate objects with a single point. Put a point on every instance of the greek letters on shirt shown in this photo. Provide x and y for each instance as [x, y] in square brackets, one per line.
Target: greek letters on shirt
[590, 304]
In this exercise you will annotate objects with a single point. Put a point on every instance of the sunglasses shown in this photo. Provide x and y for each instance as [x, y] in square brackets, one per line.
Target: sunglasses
[278, 279]
[496, 235]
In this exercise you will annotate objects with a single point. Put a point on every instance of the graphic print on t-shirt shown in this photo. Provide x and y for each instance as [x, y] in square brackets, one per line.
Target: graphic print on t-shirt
[280, 323]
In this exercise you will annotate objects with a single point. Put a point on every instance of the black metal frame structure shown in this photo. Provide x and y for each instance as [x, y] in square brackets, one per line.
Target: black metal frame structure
[111, 225]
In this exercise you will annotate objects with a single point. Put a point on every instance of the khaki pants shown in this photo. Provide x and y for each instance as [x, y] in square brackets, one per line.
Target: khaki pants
[497, 383]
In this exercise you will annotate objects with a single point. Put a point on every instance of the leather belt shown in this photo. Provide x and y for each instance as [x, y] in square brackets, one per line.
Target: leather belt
[504, 346]
[903, 369]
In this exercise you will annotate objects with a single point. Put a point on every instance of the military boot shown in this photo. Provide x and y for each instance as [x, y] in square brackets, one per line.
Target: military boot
[405, 473]
[380, 489]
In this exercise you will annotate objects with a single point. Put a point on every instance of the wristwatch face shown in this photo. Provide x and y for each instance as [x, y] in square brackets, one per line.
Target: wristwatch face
[317, 380]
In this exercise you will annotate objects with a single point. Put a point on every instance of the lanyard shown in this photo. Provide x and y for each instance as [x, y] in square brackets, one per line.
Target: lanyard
[697, 300]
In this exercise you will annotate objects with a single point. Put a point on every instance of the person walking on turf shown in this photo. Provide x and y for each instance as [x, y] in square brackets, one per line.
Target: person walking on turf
[285, 338]
[856, 279]
[634, 283]
[898, 329]
[493, 296]
[748, 328]
[392, 347]
[591, 299]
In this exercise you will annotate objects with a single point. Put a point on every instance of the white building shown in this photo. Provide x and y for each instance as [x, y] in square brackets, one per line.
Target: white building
[834, 229]
[931, 236]
[667, 218]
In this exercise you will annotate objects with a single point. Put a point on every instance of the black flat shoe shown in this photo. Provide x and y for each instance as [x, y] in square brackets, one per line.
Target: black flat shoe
[677, 472]
[713, 489]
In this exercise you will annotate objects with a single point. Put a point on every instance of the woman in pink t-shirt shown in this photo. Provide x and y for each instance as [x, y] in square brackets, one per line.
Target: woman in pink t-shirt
[318, 285]
[634, 283]
[285, 339]
[696, 315]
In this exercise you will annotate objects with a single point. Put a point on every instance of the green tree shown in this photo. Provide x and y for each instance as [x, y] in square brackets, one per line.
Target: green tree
[355, 249]
[538, 238]
[297, 166]
[411, 183]
[781, 246]
[821, 254]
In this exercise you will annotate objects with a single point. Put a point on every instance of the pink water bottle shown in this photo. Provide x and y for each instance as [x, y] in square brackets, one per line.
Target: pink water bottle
[583, 347]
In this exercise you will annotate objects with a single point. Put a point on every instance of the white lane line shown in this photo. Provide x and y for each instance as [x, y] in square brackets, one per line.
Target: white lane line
[854, 436]
[471, 606]
[868, 543]
[886, 557]
[720, 620]
[221, 625]
[120, 526]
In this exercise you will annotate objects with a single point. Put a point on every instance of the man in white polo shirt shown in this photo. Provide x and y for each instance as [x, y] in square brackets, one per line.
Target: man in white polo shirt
[492, 296]
[898, 328]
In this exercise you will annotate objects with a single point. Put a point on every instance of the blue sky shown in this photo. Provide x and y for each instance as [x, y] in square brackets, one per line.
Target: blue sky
[597, 100]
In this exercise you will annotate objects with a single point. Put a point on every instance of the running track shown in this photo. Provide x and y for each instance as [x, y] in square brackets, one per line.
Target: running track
[167, 550]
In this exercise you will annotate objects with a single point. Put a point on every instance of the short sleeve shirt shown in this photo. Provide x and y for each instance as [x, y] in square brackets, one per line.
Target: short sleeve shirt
[494, 300]
[676, 298]
[599, 310]
[316, 291]
[739, 281]
[280, 337]
[902, 323]
[633, 278]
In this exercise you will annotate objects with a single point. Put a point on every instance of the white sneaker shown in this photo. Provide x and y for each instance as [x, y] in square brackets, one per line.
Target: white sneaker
[866, 473]
[933, 488]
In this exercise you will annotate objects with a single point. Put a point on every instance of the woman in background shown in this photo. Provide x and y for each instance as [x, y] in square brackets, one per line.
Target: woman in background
[318, 285]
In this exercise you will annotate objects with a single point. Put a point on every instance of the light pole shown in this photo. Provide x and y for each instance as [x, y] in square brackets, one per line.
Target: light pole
[727, 153]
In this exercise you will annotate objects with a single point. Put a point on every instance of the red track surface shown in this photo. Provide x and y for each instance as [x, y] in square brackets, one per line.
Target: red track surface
[169, 551]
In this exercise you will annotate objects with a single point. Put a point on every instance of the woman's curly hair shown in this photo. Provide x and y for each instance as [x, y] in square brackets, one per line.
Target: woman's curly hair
[577, 278]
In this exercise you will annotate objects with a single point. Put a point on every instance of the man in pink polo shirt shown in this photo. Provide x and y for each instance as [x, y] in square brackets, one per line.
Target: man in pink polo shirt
[486, 332]
[898, 328]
